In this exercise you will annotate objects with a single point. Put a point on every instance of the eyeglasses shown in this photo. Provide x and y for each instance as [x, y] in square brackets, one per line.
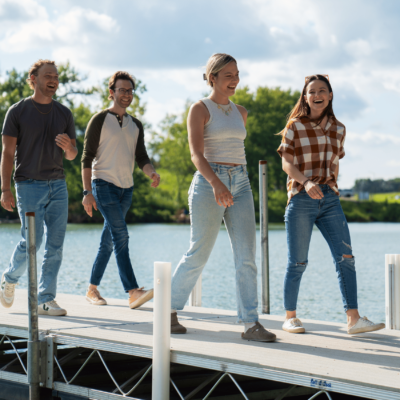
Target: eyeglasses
[129, 92]
[307, 78]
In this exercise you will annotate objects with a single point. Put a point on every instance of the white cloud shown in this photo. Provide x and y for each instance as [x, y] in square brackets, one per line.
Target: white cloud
[393, 163]
[20, 10]
[374, 138]
[358, 48]
[156, 110]
[75, 29]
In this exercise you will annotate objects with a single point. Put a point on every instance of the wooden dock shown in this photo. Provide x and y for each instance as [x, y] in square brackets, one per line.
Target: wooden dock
[326, 357]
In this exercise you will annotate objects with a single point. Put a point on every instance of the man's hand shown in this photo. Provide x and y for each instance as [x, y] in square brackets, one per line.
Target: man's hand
[63, 141]
[156, 179]
[89, 202]
[7, 200]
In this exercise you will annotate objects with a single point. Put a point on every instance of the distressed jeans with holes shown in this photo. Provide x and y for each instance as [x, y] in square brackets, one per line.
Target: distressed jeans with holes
[327, 214]
[206, 217]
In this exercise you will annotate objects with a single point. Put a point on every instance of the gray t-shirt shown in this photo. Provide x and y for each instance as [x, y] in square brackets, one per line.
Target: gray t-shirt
[37, 156]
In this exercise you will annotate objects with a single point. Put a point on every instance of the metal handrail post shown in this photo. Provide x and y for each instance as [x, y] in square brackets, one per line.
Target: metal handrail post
[263, 194]
[33, 339]
[161, 331]
[195, 295]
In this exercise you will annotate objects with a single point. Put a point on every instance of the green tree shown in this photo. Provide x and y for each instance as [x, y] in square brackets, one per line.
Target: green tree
[267, 108]
[171, 146]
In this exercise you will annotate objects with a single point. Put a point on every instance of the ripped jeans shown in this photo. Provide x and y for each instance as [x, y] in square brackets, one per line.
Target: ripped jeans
[327, 214]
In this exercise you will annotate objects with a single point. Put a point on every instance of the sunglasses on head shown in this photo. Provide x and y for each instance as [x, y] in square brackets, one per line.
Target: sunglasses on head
[307, 78]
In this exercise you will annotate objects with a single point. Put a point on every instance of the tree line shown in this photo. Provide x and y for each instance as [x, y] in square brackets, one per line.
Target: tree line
[377, 185]
[168, 148]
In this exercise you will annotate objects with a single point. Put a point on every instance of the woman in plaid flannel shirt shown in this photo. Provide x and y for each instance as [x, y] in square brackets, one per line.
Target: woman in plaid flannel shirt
[312, 145]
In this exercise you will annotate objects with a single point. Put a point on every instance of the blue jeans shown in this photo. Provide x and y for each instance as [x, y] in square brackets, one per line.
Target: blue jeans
[113, 202]
[300, 216]
[205, 218]
[49, 201]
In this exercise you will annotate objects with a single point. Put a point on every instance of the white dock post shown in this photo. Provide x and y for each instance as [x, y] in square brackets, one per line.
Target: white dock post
[33, 341]
[195, 295]
[161, 331]
[392, 293]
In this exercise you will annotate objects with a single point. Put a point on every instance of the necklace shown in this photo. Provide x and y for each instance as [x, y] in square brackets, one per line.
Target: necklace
[226, 111]
[48, 112]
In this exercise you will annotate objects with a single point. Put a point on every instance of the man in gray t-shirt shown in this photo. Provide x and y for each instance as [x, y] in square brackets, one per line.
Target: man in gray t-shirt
[37, 131]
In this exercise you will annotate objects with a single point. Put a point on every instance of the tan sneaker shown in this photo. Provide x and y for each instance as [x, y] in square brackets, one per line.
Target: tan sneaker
[176, 327]
[364, 325]
[140, 297]
[258, 333]
[93, 296]
[7, 291]
[293, 325]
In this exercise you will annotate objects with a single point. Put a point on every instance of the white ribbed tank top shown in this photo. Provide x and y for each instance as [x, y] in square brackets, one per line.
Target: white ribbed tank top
[224, 134]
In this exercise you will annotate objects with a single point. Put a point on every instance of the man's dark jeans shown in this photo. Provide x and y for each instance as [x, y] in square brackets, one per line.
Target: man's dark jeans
[113, 202]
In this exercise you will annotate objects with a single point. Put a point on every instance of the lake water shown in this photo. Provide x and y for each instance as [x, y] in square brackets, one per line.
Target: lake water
[319, 293]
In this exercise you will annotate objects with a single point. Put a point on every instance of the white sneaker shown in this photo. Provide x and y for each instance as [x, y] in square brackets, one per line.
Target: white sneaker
[293, 325]
[51, 308]
[364, 325]
[7, 291]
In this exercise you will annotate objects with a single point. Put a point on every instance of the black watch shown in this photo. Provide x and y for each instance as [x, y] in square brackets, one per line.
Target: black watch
[86, 192]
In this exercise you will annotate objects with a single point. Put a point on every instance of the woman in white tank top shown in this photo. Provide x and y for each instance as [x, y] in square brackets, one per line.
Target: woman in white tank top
[220, 190]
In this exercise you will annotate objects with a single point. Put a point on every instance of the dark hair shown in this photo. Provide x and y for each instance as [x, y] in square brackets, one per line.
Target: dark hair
[120, 75]
[302, 109]
[34, 70]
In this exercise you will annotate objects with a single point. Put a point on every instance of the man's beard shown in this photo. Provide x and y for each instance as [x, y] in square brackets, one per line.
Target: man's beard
[123, 105]
[45, 91]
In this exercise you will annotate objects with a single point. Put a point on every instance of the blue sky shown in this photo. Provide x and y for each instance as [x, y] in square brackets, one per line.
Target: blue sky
[276, 43]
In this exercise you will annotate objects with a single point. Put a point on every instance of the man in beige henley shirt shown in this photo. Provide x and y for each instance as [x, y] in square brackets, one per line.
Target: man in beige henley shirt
[114, 140]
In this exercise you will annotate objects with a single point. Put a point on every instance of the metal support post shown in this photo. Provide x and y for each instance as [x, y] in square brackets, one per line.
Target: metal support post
[195, 295]
[392, 280]
[33, 340]
[161, 331]
[263, 194]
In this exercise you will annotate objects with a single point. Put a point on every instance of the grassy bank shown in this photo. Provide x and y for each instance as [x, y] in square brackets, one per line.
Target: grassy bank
[386, 197]
[371, 211]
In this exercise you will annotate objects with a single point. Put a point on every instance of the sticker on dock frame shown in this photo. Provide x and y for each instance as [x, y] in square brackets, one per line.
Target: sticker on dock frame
[318, 383]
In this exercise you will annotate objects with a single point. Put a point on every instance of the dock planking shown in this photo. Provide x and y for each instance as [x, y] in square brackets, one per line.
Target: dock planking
[366, 362]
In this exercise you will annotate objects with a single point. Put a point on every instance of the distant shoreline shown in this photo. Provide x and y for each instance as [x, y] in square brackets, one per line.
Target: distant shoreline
[9, 221]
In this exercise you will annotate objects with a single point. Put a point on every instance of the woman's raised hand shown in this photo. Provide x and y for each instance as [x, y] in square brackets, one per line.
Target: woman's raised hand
[222, 195]
[313, 190]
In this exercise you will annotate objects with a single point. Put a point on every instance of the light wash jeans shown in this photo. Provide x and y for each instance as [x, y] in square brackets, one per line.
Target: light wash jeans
[205, 218]
[300, 216]
[113, 203]
[49, 201]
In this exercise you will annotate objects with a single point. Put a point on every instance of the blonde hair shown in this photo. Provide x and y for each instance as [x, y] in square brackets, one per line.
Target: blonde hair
[34, 70]
[214, 64]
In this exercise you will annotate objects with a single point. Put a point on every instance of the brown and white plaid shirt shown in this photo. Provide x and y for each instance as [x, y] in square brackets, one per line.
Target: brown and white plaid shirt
[316, 152]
